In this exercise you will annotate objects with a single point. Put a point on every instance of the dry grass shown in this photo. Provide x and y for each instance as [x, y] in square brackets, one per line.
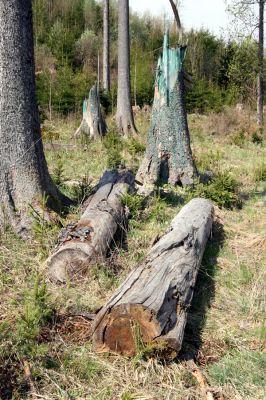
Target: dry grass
[226, 329]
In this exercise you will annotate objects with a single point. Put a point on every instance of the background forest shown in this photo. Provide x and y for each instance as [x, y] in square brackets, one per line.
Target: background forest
[68, 38]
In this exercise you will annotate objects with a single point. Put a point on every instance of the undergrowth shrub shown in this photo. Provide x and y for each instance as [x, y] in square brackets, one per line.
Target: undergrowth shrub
[58, 172]
[257, 138]
[222, 190]
[114, 146]
[37, 312]
[133, 204]
[260, 173]
[239, 138]
[135, 147]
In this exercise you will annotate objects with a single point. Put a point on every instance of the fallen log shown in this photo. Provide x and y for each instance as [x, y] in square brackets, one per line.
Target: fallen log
[82, 243]
[151, 306]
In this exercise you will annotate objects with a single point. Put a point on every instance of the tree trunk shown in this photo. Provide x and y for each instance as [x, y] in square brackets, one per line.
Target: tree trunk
[168, 157]
[261, 64]
[24, 176]
[151, 306]
[106, 47]
[85, 242]
[124, 115]
[92, 123]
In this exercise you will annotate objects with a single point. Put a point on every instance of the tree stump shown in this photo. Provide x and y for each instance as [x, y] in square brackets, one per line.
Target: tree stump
[80, 244]
[168, 157]
[151, 306]
[93, 124]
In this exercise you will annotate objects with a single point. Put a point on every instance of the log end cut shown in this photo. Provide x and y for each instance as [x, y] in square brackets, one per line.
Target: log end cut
[128, 328]
[67, 265]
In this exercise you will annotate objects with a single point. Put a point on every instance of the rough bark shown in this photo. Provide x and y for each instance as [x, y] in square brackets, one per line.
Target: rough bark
[124, 115]
[24, 176]
[151, 305]
[106, 47]
[83, 243]
[168, 157]
[261, 64]
[93, 123]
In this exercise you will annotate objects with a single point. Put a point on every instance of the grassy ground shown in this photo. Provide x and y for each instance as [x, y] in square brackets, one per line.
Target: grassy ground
[47, 350]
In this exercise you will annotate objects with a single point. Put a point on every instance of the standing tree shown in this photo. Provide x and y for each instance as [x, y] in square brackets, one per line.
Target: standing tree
[124, 115]
[168, 157]
[24, 176]
[245, 12]
[106, 46]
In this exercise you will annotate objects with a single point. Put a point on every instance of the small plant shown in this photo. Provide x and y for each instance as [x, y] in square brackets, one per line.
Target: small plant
[58, 173]
[239, 138]
[36, 313]
[257, 138]
[260, 173]
[135, 147]
[222, 190]
[133, 204]
[81, 191]
[114, 146]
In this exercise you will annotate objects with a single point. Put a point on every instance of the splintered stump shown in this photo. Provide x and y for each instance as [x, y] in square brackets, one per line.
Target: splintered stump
[84, 242]
[168, 158]
[93, 124]
[151, 306]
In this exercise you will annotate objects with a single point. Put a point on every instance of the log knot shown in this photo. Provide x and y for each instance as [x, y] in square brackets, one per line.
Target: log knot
[73, 231]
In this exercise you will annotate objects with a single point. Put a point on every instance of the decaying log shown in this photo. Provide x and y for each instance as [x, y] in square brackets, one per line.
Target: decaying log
[151, 306]
[82, 243]
[93, 124]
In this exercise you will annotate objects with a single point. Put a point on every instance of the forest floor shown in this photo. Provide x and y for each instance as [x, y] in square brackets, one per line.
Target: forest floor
[45, 347]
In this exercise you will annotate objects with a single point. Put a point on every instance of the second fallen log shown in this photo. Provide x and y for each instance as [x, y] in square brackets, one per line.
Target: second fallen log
[82, 243]
[151, 305]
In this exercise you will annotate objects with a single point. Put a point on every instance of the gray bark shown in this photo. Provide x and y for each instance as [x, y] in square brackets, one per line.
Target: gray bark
[93, 123]
[24, 176]
[261, 64]
[124, 115]
[151, 305]
[168, 158]
[84, 243]
[106, 47]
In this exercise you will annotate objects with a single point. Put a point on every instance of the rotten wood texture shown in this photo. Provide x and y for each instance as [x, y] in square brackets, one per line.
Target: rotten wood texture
[82, 243]
[151, 306]
[93, 123]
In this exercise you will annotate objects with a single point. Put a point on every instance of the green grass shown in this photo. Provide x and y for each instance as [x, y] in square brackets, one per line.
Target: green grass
[226, 326]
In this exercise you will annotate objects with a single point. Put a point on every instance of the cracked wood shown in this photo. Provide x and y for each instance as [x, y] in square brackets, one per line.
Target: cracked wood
[152, 304]
[80, 244]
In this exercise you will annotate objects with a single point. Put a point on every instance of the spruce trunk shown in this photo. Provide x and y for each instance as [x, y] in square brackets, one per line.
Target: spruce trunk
[168, 157]
[124, 115]
[24, 176]
[106, 47]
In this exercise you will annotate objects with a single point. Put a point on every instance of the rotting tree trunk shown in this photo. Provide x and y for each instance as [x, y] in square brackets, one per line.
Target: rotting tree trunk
[93, 124]
[85, 242]
[124, 115]
[24, 176]
[168, 157]
[106, 47]
[151, 305]
[261, 65]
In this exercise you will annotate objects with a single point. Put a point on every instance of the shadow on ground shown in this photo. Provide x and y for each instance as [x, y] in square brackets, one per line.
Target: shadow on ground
[204, 294]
